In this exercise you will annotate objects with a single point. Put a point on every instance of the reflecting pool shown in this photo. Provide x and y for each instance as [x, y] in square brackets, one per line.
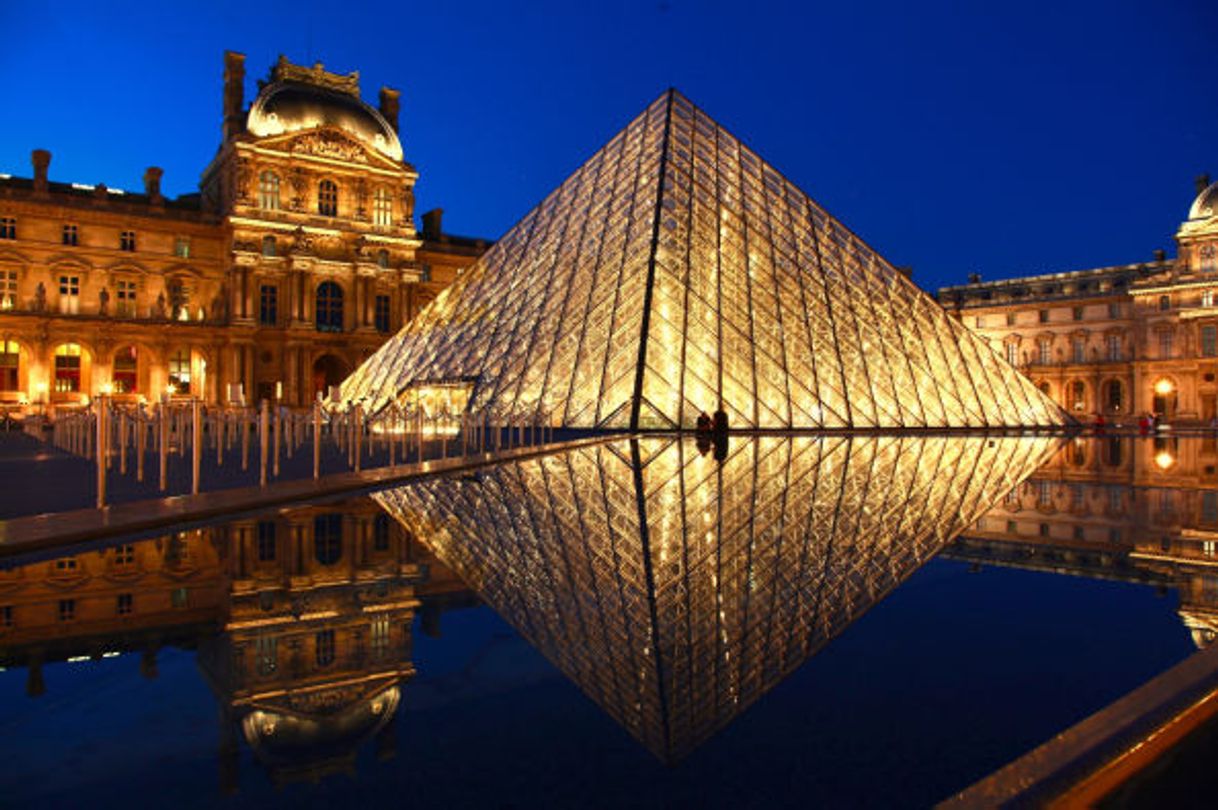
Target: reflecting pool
[875, 620]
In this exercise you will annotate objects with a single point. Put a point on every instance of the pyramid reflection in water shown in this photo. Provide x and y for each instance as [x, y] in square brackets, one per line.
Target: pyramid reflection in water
[676, 590]
[676, 271]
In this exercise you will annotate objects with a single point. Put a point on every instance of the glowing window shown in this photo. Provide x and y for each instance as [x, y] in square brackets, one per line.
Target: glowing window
[69, 294]
[179, 371]
[126, 298]
[67, 367]
[268, 191]
[10, 365]
[125, 378]
[382, 207]
[8, 289]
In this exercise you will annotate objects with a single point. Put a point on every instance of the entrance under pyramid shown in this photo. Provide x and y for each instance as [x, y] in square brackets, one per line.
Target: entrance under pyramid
[676, 273]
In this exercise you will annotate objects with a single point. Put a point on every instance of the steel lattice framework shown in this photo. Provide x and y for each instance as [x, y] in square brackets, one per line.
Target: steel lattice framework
[676, 272]
[675, 590]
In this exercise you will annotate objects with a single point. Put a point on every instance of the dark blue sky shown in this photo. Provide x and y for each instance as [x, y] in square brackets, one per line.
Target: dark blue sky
[1015, 139]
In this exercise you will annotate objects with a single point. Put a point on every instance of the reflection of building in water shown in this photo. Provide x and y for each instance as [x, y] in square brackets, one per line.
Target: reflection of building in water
[676, 590]
[1139, 510]
[302, 622]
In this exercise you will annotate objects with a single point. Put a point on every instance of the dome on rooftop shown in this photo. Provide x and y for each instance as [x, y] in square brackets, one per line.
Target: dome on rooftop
[1206, 204]
[292, 106]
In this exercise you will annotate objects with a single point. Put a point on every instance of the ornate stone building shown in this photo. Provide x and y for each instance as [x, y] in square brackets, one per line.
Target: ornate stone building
[1120, 340]
[295, 261]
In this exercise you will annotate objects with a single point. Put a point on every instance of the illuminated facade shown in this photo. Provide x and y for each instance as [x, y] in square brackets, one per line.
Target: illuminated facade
[1118, 341]
[676, 273]
[295, 261]
[675, 589]
[302, 622]
[1136, 510]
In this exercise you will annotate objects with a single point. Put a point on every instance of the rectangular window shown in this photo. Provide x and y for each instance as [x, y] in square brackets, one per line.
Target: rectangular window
[1010, 319]
[268, 305]
[69, 294]
[126, 298]
[1209, 507]
[382, 313]
[1114, 347]
[1012, 354]
[126, 241]
[10, 365]
[65, 564]
[1116, 499]
[179, 597]
[181, 247]
[1209, 341]
[382, 207]
[124, 555]
[67, 367]
[1044, 351]
[1164, 303]
[6, 616]
[1044, 316]
[323, 645]
[1166, 343]
[1207, 298]
[8, 289]
[1044, 492]
[1078, 313]
[266, 541]
[1114, 310]
[123, 606]
[71, 235]
[1078, 348]
[267, 652]
[379, 636]
[67, 610]
[8, 228]
[426, 272]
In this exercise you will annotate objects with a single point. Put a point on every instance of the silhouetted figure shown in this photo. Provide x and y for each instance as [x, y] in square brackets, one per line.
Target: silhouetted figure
[704, 425]
[703, 443]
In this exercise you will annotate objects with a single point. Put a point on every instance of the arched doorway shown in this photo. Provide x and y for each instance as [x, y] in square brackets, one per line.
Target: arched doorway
[1165, 398]
[328, 370]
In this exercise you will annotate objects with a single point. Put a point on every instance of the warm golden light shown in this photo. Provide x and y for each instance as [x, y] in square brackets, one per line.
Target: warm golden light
[171, 389]
[652, 334]
[107, 388]
[1164, 387]
[1164, 460]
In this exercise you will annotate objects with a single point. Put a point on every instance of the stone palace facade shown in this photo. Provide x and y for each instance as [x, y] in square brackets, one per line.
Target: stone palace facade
[296, 259]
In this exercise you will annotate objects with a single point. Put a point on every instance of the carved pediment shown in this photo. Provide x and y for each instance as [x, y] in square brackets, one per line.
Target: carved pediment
[329, 143]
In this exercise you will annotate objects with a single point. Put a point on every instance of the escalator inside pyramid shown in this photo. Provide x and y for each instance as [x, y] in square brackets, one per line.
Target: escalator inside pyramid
[677, 273]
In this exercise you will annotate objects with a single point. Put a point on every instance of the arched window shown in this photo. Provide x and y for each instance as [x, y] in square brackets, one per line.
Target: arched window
[329, 307]
[125, 378]
[328, 538]
[10, 359]
[382, 258]
[1114, 396]
[67, 367]
[268, 246]
[179, 371]
[382, 207]
[327, 198]
[268, 190]
[1112, 452]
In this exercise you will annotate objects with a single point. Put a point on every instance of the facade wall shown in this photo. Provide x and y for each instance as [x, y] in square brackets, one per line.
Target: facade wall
[216, 295]
[1118, 341]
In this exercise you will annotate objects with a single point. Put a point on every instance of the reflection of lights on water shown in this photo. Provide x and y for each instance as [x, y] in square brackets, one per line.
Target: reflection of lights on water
[1164, 460]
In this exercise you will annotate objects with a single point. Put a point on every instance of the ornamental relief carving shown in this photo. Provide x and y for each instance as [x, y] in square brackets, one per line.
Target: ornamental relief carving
[326, 143]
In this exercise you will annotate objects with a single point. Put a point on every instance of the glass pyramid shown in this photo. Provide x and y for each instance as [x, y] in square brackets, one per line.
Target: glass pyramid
[676, 590]
[676, 272]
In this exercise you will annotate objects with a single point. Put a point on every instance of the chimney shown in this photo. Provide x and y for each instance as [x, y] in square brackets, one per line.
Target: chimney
[1160, 255]
[234, 93]
[391, 105]
[432, 222]
[974, 278]
[152, 185]
[1202, 182]
[41, 159]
